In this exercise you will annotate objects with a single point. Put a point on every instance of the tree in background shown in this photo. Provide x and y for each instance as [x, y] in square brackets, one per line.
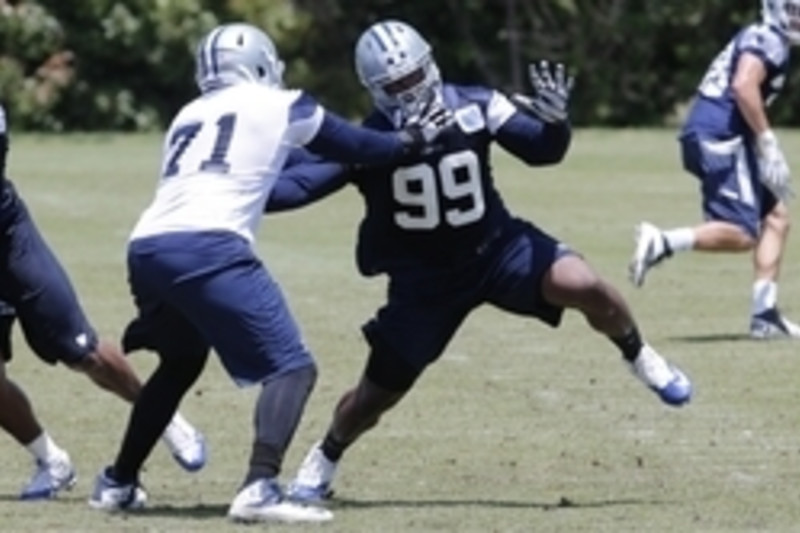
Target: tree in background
[113, 64]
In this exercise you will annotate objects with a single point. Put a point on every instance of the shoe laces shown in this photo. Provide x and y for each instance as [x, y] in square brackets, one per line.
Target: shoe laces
[41, 474]
[46, 472]
[123, 494]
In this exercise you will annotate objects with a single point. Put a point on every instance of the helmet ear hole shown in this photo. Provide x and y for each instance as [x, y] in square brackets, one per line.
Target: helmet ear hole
[261, 72]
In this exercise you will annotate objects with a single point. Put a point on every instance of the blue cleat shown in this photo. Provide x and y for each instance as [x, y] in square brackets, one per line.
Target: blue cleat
[50, 478]
[110, 495]
[666, 380]
[771, 324]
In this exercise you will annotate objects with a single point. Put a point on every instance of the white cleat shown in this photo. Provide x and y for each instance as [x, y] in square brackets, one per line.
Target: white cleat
[650, 250]
[666, 380]
[314, 478]
[185, 443]
[771, 324]
[50, 478]
[110, 495]
[263, 501]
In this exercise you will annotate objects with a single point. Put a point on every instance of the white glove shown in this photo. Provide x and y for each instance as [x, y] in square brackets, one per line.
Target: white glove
[552, 88]
[420, 132]
[431, 122]
[772, 166]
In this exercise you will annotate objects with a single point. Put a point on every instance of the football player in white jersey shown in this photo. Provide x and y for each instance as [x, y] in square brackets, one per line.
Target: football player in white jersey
[195, 277]
[727, 143]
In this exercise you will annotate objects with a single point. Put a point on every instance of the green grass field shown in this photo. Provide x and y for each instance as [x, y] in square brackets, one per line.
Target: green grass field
[517, 428]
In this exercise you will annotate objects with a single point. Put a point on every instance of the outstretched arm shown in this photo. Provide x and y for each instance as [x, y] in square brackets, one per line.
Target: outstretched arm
[538, 130]
[533, 141]
[304, 180]
[327, 134]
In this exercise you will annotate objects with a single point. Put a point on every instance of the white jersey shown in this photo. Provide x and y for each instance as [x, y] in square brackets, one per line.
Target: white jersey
[221, 157]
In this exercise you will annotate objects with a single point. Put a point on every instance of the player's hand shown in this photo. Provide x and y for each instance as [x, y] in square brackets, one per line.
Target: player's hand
[552, 88]
[772, 166]
[421, 131]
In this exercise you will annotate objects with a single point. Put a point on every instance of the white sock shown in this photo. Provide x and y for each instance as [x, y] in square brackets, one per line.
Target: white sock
[679, 239]
[44, 448]
[765, 296]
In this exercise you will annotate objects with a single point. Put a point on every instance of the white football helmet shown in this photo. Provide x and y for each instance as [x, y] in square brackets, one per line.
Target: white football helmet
[395, 64]
[236, 53]
[784, 16]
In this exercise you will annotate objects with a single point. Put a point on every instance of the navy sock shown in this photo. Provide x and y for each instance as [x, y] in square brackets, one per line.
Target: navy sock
[332, 448]
[629, 344]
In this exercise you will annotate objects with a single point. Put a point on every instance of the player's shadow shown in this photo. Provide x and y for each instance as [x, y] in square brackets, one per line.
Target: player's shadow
[712, 338]
[200, 511]
[563, 503]
[211, 511]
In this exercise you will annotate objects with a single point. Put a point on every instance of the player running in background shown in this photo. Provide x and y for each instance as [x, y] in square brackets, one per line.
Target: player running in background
[728, 144]
[437, 226]
[40, 294]
[195, 277]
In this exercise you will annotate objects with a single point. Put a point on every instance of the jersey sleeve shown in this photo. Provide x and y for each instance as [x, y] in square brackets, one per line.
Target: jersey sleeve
[535, 142]
[339, 140]
[498, 111]
[305, 119]
[495, 108]
[764, 43]
[305, 178]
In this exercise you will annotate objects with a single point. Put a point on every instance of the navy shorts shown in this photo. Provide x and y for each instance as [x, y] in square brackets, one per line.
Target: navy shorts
[427, 303]
[728, 172]
[209, 290]
[34, 283]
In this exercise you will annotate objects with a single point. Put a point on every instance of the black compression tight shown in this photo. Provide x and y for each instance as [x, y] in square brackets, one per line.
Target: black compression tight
[278, 411]
[154, 408]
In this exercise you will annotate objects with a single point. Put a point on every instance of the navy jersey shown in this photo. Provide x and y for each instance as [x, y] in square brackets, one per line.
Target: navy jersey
[714, 111]
[438, 207]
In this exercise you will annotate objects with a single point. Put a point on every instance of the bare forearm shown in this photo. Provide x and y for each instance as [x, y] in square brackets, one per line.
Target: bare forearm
[751, 105]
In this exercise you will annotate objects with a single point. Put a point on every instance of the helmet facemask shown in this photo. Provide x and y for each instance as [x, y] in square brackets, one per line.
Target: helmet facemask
[411, 94]
[395, 64]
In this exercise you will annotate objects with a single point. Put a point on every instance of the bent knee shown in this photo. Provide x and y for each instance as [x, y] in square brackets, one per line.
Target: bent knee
[744, 242]
[778, 220]
[572, 283]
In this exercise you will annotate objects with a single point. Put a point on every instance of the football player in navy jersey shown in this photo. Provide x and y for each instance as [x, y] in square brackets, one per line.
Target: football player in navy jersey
[195, 277]
[35, 289]
[727, 142]
[436, 225]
